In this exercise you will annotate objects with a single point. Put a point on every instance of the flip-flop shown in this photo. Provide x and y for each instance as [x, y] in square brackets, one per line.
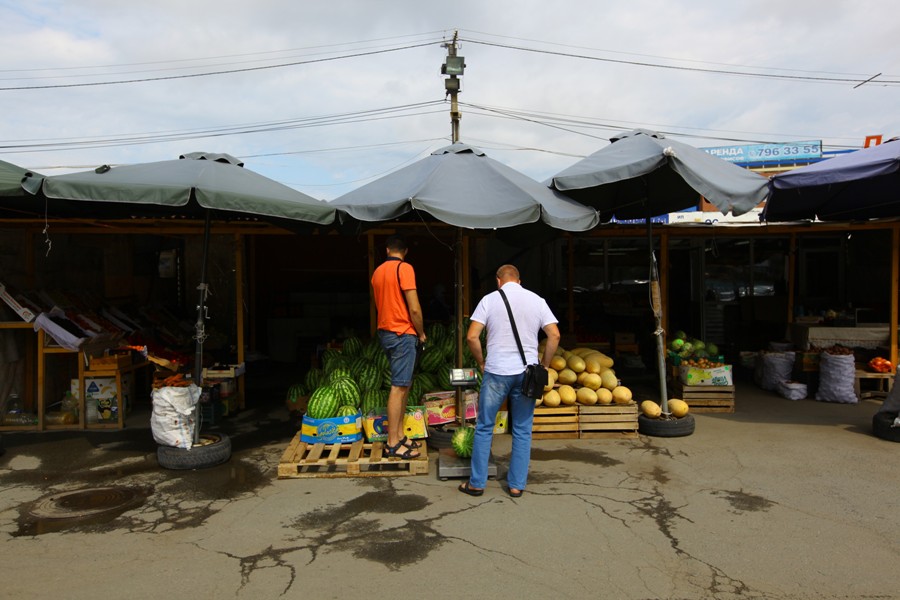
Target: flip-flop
[513, 494]
[465, 489]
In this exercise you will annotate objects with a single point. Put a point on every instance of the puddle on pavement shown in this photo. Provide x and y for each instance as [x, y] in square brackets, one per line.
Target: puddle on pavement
[77, 508]
[582, 455]
[229, 480]
[743, 501]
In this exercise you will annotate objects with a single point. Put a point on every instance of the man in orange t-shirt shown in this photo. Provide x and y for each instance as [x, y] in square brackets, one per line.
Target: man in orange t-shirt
[400, 328]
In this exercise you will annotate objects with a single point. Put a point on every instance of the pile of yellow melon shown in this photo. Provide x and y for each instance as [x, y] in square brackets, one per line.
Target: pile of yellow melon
[582, 376]
[677, 407]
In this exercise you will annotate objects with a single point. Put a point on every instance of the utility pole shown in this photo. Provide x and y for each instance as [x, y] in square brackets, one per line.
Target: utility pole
[454, 67]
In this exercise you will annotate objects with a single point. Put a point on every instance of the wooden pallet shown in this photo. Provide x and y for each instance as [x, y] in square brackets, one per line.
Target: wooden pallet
[560, 423]
[359, 459]
[613, 421]
[706, 398]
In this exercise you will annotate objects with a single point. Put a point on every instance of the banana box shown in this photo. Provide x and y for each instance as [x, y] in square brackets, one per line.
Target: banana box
[337, 430]
[440, 407]
[375, 424]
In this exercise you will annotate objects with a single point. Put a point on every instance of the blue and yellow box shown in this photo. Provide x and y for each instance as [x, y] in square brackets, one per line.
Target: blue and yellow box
[337, 430]
[414, 424]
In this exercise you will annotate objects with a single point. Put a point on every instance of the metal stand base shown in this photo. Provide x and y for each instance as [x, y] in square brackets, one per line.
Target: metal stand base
[452, 466]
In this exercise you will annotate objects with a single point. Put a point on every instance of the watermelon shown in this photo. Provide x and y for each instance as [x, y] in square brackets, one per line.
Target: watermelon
[432, 359]
[323, 403]
[346, 391]
[369, 377]
[346, 411]
[335, 361]
[381, 360]
[462, 441]
[339, 373]
[415, 391]
[357, 365]
[314, 378]
[352, 347]
[372, 400]
[386, 377]
[294, 393]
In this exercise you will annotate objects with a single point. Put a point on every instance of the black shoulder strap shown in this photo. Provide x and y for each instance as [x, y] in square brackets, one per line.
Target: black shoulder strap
[512, 322]
[400, 287]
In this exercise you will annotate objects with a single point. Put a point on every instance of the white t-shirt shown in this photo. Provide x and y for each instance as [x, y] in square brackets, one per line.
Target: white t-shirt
[531, 313]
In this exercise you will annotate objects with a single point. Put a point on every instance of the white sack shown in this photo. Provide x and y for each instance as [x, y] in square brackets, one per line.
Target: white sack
[792, 390]
[837, 373]
[776, 367]
[172, 421]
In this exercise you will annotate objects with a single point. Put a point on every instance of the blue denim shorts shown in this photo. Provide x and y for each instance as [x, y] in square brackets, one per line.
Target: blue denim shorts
[401, 352]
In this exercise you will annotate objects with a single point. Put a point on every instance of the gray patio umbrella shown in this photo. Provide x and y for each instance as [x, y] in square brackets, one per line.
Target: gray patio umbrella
[461, 186]
[11, 178]
[641, 174]
[196, 184]
[642, 171]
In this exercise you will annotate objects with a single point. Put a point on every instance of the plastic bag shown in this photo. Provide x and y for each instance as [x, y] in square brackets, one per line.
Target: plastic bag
[837, 373]
[172, 421]
[776, 367]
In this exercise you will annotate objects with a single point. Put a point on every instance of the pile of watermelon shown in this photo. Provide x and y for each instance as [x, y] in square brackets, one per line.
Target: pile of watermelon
[358, 376]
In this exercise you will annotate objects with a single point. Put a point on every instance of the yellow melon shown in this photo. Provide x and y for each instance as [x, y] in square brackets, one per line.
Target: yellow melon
[608, 379]
[557, 362]
[552, 376]
[678, 408]
[567, 394]
[551, 399]
[581, 376]
[586, 396]
[576, 363]
[604, 396]
[651, 409]
[621, 395]
[592, 380]
[567, 377]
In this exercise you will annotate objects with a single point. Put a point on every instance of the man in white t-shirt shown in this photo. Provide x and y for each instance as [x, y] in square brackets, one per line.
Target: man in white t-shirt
[503, 374]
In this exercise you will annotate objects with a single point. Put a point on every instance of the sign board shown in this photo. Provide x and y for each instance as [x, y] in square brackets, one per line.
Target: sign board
[755, 153]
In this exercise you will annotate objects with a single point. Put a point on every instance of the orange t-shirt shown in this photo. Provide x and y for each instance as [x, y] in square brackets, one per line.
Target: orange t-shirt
[393, 315]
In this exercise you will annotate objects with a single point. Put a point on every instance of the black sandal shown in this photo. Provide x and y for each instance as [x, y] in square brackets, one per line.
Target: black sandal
[394, 451]
[465, 489]
[410, 443]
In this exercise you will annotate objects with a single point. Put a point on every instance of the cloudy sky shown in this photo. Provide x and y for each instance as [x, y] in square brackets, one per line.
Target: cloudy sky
[327, 96]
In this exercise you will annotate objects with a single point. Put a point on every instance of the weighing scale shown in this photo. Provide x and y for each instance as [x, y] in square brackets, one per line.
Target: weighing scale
[449, 464]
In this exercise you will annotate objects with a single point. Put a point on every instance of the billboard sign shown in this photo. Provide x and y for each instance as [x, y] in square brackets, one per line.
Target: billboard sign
[757, 153]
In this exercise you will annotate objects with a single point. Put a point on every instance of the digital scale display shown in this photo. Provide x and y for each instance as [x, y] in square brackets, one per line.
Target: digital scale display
[462, 376]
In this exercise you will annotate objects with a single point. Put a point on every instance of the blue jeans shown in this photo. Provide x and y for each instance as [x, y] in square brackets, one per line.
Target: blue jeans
[401, 352]
[494, 389]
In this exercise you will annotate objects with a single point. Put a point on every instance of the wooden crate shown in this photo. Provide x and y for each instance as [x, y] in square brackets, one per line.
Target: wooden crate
[560, 423]
[706, 398]
[613, 421]
[302, 460]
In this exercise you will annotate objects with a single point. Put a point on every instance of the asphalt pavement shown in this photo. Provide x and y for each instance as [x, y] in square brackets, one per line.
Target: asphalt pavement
[781, 499]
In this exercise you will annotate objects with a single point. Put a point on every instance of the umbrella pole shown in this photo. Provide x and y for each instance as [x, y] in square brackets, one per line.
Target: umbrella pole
[656, 305]
[460, 335]
[200, 324]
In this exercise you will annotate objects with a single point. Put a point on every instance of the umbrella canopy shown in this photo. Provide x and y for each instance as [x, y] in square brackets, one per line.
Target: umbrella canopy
[215, 181]
[11, 178]
[461, 186]
[860, 185]
[642, 172]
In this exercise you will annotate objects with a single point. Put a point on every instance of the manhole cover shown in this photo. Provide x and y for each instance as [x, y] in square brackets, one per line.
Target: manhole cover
[87, 503]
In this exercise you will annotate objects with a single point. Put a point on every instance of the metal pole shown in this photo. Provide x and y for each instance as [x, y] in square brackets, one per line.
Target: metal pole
[200, 324]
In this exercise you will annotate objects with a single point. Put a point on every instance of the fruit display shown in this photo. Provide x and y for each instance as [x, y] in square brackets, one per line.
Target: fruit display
[358, 375]
[678, 408]
[692, 351]
[881, 365]
[582, 376]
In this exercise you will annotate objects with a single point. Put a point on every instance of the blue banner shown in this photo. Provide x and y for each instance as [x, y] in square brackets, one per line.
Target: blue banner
[754, 153]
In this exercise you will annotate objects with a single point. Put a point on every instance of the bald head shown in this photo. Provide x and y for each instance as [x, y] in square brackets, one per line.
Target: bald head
[507, 273]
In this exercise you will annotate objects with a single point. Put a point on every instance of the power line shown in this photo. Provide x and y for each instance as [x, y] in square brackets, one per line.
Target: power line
[210, 73]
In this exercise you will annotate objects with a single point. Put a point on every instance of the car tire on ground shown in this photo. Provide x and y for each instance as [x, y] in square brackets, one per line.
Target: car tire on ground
[666, 427]
[881, 426]
[213, 449]
[439, 437]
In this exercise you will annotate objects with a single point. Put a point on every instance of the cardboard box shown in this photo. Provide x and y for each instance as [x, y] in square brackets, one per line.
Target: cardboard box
[440, 407]
[337, 430]
[225, 372]
[501, 424]
[26, 314]
[110, 362]
[414, 424]
[697, 376]
[102, 399]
